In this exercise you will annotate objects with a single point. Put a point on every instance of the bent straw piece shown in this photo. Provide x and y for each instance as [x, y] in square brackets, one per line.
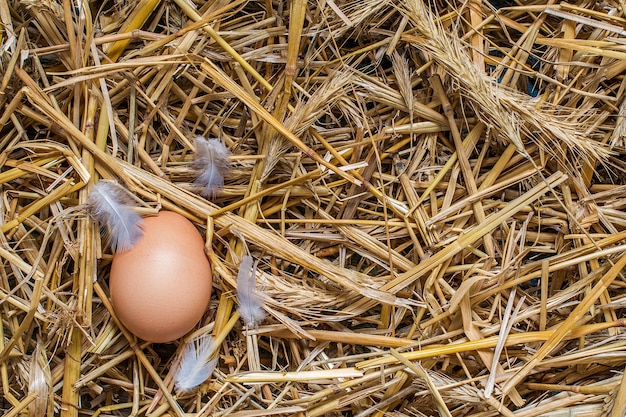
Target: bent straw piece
[563, 328]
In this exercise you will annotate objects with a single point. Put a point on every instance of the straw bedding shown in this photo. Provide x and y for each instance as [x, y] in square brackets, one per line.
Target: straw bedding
[434, 192]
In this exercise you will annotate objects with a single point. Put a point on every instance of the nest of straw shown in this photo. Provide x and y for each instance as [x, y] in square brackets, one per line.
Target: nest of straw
[434, 191]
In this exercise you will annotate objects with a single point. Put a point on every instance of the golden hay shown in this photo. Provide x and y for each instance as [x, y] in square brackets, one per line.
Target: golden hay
[434, 190]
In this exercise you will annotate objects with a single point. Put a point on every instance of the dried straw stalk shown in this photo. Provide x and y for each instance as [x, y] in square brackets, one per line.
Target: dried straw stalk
[434, 191]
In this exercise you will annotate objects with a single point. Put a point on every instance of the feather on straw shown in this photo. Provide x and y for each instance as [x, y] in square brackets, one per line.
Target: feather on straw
[250, 301]
[212, 163]
[110, 205]
[196, 365]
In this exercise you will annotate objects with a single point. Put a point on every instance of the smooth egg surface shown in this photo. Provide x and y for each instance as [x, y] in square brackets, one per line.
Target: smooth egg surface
[161, 287]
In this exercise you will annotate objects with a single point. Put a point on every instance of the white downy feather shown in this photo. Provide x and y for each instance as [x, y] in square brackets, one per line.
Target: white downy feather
[111, 206]
[212, 163]
[196, 365]
[250, 301]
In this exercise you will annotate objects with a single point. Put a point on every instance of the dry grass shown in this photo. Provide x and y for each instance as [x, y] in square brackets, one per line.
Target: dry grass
[434, 191]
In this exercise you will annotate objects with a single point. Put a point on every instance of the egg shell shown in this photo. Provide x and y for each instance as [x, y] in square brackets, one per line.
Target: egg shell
[160, 288]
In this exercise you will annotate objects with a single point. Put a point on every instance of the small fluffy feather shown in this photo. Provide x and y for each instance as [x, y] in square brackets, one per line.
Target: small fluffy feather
[250, 302]
[212, 163]
[196, 365]
[110, 205]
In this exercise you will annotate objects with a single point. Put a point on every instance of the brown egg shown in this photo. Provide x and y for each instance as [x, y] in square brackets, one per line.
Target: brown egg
[161, 287]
